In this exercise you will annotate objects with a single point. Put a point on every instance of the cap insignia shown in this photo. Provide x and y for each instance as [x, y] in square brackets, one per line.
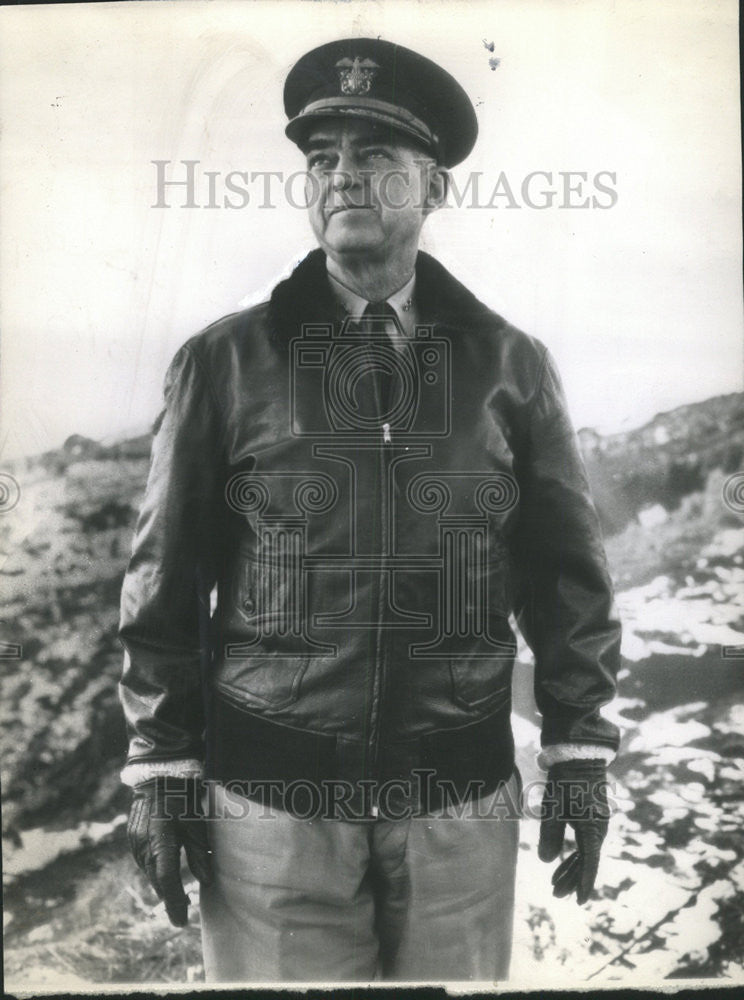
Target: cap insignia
[356, 76]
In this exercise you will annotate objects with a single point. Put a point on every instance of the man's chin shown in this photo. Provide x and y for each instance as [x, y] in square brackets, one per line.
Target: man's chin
[353, 239]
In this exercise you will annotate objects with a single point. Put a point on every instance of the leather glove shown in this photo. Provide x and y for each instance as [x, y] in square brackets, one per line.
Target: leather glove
[575, 793]
[166, 816]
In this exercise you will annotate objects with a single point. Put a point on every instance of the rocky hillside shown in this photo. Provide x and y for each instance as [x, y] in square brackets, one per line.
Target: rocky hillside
[77, 911]
[665, 460]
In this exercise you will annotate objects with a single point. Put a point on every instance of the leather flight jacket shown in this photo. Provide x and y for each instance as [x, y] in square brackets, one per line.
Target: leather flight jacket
[321, 593]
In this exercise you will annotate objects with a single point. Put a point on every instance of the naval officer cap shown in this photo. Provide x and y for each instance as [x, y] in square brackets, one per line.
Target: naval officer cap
[385, 83]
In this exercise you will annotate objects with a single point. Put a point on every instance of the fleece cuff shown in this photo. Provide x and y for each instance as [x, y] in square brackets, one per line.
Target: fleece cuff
[135, 774]
[560, 752]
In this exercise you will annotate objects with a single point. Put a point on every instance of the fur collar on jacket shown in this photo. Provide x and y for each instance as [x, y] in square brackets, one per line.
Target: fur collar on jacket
[306, 297]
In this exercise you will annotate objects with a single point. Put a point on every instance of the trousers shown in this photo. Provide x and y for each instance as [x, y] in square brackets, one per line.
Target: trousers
[426, 898]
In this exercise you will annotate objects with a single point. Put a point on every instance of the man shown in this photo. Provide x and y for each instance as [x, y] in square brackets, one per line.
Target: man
[373, 470]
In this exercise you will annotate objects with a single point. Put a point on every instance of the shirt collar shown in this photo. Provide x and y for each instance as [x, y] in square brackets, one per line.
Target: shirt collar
[401, 301]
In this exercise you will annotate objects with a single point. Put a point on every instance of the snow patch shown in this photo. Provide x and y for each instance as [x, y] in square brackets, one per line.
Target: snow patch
[40, 847]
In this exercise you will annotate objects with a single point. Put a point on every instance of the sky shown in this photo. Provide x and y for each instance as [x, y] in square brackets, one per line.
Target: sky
[638, 295]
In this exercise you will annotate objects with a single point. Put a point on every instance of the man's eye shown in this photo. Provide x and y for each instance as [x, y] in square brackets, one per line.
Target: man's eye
[318, 160]
[376, 152]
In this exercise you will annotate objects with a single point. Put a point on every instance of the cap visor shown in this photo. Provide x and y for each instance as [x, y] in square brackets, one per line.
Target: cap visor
[298, 128]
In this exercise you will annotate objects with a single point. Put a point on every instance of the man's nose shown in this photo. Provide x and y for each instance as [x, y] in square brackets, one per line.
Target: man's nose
[341, 179]
[346, 173]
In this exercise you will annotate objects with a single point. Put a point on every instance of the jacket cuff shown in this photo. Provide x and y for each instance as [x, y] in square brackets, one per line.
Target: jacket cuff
[560, 752]
[135, 774]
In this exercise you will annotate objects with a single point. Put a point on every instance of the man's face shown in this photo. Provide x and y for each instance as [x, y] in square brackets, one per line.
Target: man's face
[368, 190]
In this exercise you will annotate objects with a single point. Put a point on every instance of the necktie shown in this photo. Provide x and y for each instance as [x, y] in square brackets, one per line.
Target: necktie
[384, 318]
[379, 325]
[381, 311]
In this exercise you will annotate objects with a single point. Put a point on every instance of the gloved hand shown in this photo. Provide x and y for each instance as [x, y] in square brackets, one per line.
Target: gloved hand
[575, 793]
[166, 816]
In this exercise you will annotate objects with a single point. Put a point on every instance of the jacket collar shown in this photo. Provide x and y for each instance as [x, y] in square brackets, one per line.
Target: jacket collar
[306, 297]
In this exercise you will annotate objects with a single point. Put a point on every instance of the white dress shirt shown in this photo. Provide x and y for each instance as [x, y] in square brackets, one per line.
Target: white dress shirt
[403, 302]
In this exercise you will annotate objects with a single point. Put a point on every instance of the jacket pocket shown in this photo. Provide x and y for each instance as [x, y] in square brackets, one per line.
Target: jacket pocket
[269, 595]
[481, 672]
[247, 589]
[479, 683]
[264, 680]
[266, 659]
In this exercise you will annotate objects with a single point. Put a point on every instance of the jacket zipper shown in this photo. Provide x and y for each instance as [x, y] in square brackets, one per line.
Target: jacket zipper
[379, 666]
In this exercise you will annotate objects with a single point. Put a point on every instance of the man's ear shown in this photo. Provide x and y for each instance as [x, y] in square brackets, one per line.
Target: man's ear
[437, 187]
